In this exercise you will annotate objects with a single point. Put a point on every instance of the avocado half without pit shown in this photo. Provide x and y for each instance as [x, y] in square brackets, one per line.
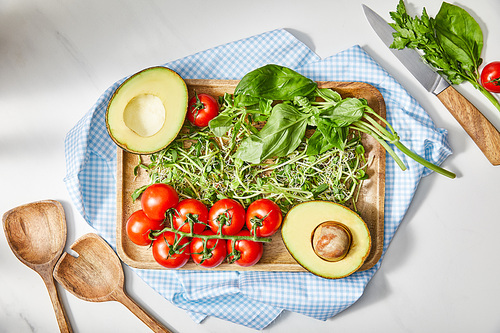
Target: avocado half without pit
[327, 239]
[147, 111]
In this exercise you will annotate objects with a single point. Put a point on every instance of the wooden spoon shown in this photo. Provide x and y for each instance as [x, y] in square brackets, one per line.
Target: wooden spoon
[36, 233]
[96, 275]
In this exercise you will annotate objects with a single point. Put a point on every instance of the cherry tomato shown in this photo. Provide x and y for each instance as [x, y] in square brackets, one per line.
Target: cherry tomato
[210, 255]
[139, 226]
[490, 77]
[201, 109]
[229, 213]
[190, 209]
[157, 199]
[263, 217]
[170, 250]
[244, 252]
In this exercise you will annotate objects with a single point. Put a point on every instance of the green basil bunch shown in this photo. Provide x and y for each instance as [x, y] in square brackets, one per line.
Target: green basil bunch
[451, 42]
[290, 103]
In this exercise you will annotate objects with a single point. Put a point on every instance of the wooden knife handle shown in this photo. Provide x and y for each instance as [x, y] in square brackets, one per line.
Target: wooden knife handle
[481, 131]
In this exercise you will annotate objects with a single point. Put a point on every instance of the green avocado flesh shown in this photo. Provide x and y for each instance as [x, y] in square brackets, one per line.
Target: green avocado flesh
[147, 111]
[297, 233]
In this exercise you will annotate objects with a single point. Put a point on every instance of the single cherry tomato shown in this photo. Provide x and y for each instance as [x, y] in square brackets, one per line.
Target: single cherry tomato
[263, 217]
[171, 250]
[139, 226]
[490, 77]
[201, 109]
[157, 199]
[208, 253]
[244, 252]
[190, 209]
[227, 213]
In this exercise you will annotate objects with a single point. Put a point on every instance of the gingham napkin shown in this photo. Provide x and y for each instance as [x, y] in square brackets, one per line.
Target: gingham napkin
[255, 299]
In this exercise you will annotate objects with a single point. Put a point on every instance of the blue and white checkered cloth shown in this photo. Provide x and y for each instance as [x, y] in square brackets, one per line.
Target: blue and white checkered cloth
[255, 299]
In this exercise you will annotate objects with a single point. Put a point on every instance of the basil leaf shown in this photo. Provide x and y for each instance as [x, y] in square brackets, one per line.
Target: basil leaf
[265, 106]
[245, 101]
[459, 35]
[317, 144]
[250, 149]
[345, 112]
[220, 124]
[280, 136]
[275, 82]
[335, 136]
[329, 95]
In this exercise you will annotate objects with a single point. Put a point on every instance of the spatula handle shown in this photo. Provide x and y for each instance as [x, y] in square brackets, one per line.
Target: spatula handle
[62, 318]
[136, 309]
[481, 131]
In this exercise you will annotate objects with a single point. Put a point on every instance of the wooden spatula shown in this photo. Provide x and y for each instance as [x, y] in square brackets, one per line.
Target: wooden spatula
[96, 275]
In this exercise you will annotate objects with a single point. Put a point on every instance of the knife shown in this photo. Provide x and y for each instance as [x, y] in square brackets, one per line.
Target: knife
[481, 131]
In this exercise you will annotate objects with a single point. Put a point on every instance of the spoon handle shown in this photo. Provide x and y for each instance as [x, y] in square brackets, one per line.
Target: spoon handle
[136, 309]
[62, 318]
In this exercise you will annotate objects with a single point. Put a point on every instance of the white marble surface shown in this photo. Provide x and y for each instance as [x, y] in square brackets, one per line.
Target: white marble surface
[441, 271]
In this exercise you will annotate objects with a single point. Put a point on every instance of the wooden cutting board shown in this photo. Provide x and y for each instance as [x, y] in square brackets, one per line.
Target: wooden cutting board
[276, 258]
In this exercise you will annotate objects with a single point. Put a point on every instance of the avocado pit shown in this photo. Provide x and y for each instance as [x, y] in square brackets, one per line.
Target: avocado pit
[331, 240]
[144, 115]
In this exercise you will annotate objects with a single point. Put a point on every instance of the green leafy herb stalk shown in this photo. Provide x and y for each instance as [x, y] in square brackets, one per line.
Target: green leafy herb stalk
[451, 42]
[299, 104]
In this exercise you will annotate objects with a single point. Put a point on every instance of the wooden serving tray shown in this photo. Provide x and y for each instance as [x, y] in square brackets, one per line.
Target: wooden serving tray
[276, 257]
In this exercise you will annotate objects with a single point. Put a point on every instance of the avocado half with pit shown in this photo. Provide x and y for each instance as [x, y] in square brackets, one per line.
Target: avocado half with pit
[327, 239]
[147, 110]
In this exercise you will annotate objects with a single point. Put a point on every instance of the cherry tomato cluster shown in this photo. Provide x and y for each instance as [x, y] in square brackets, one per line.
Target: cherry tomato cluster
[208, 236]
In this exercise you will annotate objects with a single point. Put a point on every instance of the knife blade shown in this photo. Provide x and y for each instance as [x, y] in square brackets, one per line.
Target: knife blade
[477, 126]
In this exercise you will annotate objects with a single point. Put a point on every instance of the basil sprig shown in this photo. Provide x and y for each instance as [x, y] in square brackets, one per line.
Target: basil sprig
[299, 103]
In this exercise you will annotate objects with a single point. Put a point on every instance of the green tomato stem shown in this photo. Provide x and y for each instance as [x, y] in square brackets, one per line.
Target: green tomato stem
[206, 237]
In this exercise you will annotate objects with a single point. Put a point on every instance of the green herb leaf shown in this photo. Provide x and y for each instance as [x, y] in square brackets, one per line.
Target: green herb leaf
[220, 124]
[243, 100]
[335, 136]
[460, 36]
[275, 82]
[320, 189]
[317, 144]
[329, 95]
[345, 112]
[137, 192]
[280, 136]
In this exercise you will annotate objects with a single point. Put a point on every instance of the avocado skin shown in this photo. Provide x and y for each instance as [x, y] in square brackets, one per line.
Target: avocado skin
[298, 228]
[167, 76]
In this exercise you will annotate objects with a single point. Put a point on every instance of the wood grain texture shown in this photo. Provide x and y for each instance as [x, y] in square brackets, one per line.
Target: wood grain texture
[96, 275]
[479, 128]
[36, 233]
[276, 257]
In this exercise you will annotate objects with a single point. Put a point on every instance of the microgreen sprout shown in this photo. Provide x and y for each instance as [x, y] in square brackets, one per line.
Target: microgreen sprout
[201, 166]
